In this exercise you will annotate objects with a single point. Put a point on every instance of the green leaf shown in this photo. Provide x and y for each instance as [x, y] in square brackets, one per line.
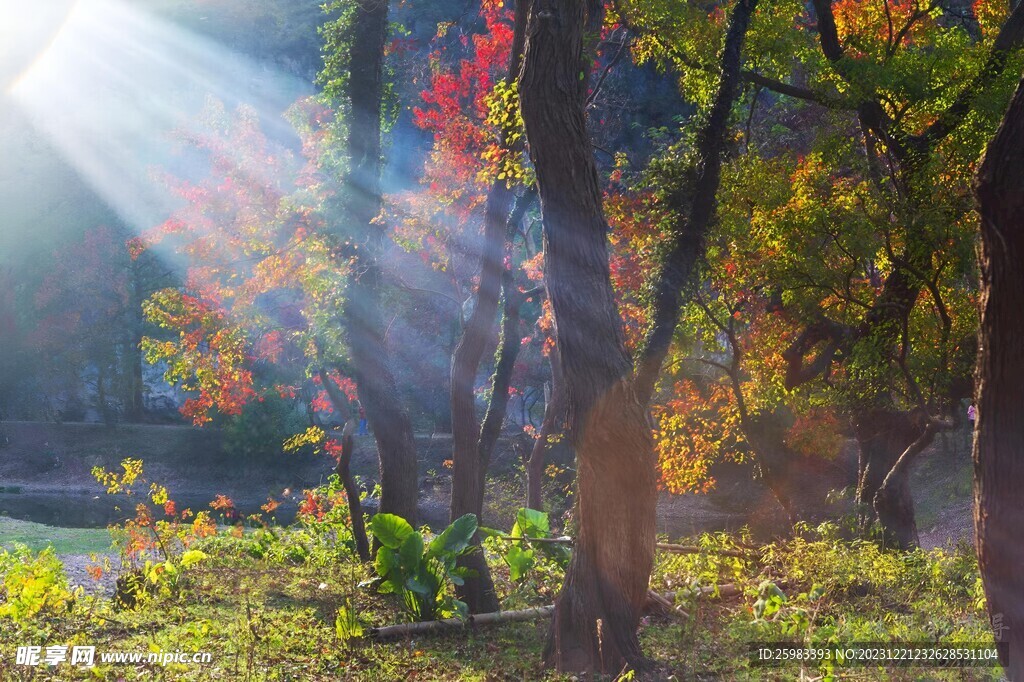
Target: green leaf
[531, 523]
[390, 530]
[519, 562]
[410, 554]
[192, 556]
[456, 537]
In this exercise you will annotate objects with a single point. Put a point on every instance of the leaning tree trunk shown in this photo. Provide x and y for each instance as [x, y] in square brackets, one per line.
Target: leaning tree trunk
[364, 327]
[550, 430]
[344, 465]
[471, 450]
[999, 431]
[594, 628]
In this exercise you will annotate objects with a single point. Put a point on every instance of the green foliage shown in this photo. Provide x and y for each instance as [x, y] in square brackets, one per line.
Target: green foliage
[523, 556]
[33, 584]
[420, 573]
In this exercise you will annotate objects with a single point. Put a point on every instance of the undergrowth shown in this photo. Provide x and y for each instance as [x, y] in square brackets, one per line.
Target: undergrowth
[295, 603]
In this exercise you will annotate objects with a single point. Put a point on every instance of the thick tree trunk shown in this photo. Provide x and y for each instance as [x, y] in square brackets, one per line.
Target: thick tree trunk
[471, 445]
[594, 627]
[999, 435]
[364, 326]
[550, 430]
[883, 435]
[893, 503]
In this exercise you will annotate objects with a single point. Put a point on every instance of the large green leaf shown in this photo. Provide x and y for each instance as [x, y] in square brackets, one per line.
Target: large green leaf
[390, 530]
[410, 554]
[519, 561]
[531, 523]
[456, 537]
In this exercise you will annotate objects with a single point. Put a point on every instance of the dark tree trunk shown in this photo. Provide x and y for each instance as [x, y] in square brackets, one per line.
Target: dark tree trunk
[471, 446]
[478, 591]
[893, 503]
[766, 436]
[693, 201]
[594, 627]
[344, 466]
[550, 430]
[134, 407]
[364, 325]
[999, 434]
[884, 435]
[355, 505]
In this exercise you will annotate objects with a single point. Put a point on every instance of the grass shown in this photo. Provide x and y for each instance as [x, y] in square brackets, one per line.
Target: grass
[63, 540]
[268, 618]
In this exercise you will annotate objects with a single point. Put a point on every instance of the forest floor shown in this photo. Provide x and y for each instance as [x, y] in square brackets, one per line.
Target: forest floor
[266, 616]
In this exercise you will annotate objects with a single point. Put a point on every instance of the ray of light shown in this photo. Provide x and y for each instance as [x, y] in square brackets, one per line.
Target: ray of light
[114, 84]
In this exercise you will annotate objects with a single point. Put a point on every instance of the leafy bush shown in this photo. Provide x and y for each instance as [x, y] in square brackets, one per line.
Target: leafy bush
[33, 584]
[419, 572]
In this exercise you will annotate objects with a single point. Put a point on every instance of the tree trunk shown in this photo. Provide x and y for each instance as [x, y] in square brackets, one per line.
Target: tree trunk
[999, 431]
[471, 446]
[378, 391]
[550, 429]
[594, 628]
[343, 468]
[893, 503]
[883, 435]
[134, 406]
[355, 504]
[478, 591]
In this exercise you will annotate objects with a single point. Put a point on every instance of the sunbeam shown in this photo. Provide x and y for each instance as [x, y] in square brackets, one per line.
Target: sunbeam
[114, 83]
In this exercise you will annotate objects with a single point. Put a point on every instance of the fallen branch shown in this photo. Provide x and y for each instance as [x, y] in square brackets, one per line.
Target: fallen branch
[663, 546]
[458, 624]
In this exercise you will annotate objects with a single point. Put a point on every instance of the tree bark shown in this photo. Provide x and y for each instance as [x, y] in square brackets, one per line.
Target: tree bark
[999, 430]
[893, 503]
[478, 591]
[134, 405]
[471, 446]
[364, 327]
[344, 466]
[693, 201]
[550, 429]
[883, 435]
[601, 602]
[352, 492]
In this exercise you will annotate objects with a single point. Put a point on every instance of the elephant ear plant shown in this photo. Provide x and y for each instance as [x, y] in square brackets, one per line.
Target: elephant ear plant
[420, 572]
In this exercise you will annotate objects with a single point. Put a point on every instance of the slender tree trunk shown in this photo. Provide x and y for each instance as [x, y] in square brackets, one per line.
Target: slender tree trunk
[134, 406]
[471, 447]
[344, 466]
[364, 326]
[478, 591]
[550, 429]
[352, 492]
[999, 431]
[602, 599]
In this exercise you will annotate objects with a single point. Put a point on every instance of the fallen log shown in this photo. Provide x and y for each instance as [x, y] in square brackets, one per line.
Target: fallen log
[481, 619]
[456, 624]
[663, 546]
